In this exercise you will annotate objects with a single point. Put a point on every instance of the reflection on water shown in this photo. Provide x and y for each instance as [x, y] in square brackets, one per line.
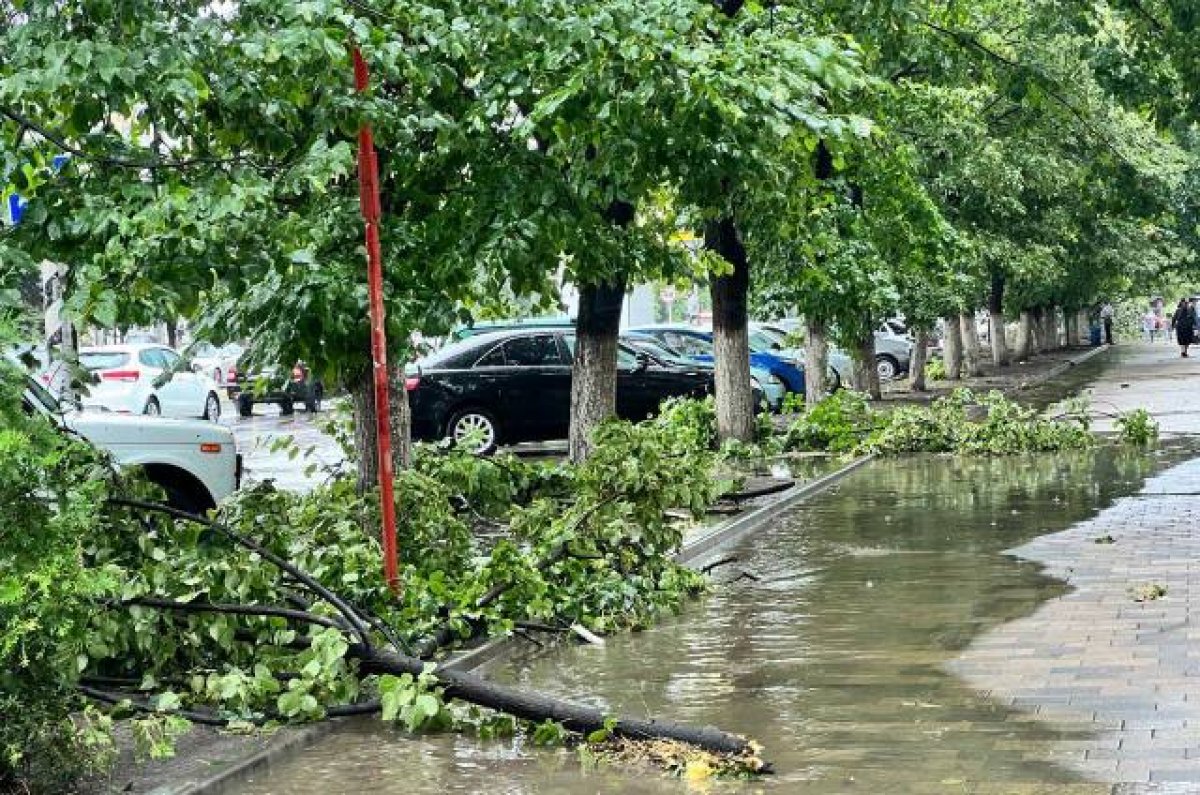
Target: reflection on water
[825, 641]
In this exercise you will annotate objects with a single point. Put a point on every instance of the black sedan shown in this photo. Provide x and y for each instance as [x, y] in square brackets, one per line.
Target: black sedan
[515, 386]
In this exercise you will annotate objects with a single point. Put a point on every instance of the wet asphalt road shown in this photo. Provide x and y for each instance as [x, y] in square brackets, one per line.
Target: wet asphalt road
[315, 452]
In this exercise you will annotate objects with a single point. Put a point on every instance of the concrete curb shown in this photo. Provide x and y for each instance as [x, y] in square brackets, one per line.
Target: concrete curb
[728, 532]
[239, 771]
[1056, 371]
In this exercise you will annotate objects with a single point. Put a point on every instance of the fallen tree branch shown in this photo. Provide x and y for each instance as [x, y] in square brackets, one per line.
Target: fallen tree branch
[264, 611]
[446, 633]
[536, 707]
[357, 622]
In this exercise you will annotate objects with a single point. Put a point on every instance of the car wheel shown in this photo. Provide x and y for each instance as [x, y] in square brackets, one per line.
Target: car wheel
[887, 367]
[212, 407]
[474, 422]
[152, 408]
[245, 405]
[286, 408]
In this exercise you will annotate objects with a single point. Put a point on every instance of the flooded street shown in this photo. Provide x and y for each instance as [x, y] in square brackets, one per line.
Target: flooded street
[828, 641]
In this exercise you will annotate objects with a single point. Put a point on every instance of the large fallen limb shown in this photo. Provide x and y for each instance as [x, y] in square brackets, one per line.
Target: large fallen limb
[537, 707]
[360, 625]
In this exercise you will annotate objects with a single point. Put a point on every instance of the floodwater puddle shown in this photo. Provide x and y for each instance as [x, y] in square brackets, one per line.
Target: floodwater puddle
[827, 640]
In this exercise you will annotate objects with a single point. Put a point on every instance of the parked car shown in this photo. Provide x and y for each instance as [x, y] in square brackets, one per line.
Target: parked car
[506, 387]
[196, 463]
[893, 348]
[768, 388]
[220, 363]
[839, 363]
[893, 352]
[148, 379]
[697, 343]
[285, 388]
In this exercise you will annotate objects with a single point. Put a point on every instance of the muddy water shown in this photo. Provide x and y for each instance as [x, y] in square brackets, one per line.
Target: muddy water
[826, 641]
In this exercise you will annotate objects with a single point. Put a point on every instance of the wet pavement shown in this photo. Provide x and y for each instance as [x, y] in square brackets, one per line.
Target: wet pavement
[1153, 377]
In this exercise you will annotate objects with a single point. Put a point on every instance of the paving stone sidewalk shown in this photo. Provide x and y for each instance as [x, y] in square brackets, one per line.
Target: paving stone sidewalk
[1129, 670]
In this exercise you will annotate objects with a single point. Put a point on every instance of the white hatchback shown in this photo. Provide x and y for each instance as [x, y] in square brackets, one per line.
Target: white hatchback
[148, 379]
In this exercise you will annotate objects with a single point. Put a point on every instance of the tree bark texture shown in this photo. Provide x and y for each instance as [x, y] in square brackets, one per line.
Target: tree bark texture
[594, 371]
[1038, 316]
[972, 355]
[362, 399]
[952, 354]
[920, 355]
[1024, 347]
[816, 361]
[731, 336]
[997, 337]
[1069, 331]
[1050, 320]
[866, 376]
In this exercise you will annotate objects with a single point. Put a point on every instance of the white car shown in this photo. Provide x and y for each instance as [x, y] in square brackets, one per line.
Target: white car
[220, 363]
[148, 379]
[196, 463]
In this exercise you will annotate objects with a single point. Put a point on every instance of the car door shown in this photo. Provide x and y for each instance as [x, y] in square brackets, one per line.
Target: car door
[639, 388]
[536, 390]
[182, 394]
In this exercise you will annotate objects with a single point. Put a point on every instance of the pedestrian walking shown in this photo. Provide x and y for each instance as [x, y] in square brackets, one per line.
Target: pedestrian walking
[1184, 324]
[1150, 326]
[1106, 317]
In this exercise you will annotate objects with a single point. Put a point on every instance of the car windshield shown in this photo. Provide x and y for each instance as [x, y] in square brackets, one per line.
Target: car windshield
[764, 342]
[103, 360]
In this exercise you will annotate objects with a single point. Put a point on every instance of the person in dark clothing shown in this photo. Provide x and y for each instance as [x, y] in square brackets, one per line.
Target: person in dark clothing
[1184, 323]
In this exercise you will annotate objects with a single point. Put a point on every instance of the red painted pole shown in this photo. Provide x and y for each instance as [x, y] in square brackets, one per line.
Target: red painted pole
[368, 197]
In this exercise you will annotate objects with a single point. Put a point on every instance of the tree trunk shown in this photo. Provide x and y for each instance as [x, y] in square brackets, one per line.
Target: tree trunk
[999, 341]
[816, 361]
[920, 355]
[866, 375]
[1038, 316]
[1025, 344]
[1051, 321]
[1069, 330]
[971, 351]
[594, 372]
[952, 347]
[731, 335]
[172, 334]
[362, 400]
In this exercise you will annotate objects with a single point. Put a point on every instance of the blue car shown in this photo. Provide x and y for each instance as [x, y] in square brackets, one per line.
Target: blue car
[698, 344]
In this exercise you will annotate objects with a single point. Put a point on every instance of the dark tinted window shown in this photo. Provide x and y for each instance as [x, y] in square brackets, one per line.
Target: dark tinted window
[493, 358]
[539, 351]
[626, 358]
